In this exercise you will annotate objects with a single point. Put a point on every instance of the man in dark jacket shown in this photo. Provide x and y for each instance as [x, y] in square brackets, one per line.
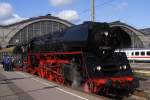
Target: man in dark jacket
[5, 62]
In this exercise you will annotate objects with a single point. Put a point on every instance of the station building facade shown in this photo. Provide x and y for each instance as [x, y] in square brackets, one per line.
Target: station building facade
[138, 37]
[24, 31]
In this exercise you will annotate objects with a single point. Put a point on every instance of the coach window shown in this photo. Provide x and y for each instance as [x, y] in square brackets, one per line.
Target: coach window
[148, 52]
[143, 53]
[132, 53]
[137, 53]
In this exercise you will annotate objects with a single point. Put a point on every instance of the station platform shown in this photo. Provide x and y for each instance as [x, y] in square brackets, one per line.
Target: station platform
[140, 66]
[17, 85]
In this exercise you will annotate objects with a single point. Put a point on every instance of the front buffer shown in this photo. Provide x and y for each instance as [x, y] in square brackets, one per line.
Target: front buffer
[118, 86]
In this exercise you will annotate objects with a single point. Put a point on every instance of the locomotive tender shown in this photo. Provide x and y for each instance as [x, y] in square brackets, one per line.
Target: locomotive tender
[84, 56]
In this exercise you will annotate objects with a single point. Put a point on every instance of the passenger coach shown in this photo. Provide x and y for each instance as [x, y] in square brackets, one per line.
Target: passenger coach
[137, 54]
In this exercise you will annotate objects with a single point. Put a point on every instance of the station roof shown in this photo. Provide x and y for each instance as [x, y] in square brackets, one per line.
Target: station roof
[146, 31]
[35, 18]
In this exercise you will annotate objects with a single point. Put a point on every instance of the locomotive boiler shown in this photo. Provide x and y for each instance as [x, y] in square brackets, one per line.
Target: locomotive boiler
[83, 56]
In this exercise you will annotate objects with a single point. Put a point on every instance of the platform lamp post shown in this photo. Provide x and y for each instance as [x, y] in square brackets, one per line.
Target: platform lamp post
[133, 46]
[93, 10]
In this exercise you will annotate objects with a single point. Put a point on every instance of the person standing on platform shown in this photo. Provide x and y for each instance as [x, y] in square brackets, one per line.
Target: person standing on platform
[9, 64]
[5, 63]
[12, 62]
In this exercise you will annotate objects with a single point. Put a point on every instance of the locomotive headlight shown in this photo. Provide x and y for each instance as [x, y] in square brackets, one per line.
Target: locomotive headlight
[124, 67]
[98, 68]
[120, 67]
[106, 33]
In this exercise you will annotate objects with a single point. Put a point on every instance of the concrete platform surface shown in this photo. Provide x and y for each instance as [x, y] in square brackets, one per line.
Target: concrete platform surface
[140, 66]
[23, 86]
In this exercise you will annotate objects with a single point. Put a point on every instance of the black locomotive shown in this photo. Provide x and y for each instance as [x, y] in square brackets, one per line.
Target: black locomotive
[84, 56]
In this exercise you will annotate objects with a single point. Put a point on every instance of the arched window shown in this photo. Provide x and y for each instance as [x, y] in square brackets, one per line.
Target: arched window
[36, 29]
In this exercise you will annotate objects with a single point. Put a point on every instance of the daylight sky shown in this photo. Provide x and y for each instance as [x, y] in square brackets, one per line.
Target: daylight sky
[133, 12]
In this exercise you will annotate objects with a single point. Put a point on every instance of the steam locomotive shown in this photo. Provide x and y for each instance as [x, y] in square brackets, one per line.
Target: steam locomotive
[83, 56]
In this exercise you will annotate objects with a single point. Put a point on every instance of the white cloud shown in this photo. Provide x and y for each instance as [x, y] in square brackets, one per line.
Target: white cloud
[121, 6]
[60, 2]
[7, 15]
[15, 18]
[70, 15]
[6, 11]
[124, 4]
